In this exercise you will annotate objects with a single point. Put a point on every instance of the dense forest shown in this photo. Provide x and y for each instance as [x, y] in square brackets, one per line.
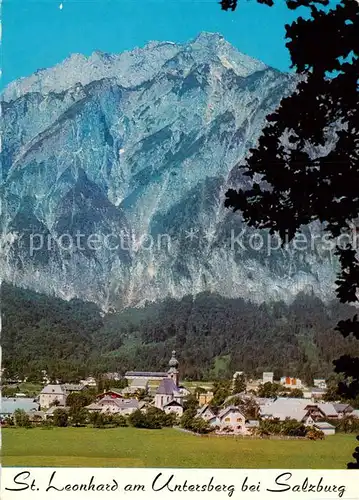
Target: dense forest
[214, 336]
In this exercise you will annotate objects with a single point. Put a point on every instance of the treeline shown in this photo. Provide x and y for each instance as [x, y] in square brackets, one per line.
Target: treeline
[214, 336]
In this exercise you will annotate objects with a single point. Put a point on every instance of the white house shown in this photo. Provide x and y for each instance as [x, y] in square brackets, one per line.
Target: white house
[114, 406]
[51, 394]
[233, 419]
[69, 388]
[206, 413]
[173, 407]
[267, 377]
[325, 427]
[320, 383]
[89, 382]
[343, 409]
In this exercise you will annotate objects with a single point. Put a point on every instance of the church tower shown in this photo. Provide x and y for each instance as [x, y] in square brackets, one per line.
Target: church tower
[173, 371]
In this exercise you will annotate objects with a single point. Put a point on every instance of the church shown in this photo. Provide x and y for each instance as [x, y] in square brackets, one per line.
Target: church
[169, 394]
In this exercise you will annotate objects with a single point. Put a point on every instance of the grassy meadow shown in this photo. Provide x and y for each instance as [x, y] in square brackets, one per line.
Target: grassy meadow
[131, 447]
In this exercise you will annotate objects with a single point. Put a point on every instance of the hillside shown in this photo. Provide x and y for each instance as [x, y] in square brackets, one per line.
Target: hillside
[214, 336]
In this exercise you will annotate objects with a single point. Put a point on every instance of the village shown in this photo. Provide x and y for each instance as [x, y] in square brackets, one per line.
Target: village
[252, 408]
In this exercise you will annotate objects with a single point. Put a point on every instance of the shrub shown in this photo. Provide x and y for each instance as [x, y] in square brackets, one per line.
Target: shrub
[120, 421]
[143, 421]
[314, 434]
[60, 417]
[195, 424]
[21, 419]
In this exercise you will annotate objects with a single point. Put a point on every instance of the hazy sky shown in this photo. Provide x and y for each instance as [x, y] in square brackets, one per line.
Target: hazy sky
[39, 33]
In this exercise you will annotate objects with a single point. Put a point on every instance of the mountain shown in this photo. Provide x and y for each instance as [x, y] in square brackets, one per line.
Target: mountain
[114, 174]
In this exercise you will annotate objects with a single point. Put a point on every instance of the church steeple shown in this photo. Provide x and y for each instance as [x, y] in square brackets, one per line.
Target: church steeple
[173, 371]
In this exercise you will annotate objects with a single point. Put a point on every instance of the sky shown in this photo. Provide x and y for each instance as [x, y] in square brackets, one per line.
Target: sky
[41, 33]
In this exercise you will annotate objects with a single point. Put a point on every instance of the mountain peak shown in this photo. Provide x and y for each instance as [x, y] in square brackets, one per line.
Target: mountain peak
[208, 37]
[131, 68]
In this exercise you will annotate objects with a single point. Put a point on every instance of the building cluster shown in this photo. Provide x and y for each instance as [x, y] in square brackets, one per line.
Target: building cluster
[231, 418]
[309, 410]
[163, 390]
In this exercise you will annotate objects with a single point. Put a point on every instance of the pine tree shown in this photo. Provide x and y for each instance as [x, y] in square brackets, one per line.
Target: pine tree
[239, 384]
[308, 153]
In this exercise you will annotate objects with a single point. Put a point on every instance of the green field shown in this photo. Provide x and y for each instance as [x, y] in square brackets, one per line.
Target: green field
[130, 447]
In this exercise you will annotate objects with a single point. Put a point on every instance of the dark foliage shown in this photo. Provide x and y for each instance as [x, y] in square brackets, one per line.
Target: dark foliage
[286, 428]
[190, 422]
[41, 332]
[214, 336]
[314, 174]
[145, 420]
[60, 417]
[239, 384]
[79, 399]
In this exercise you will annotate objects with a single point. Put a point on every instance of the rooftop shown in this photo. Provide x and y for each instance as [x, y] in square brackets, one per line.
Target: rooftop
[53, 389]
[224, 412]
[173, 403]
[167, 387]
[324, 425]
[9, 405]
[119, 402]
[139, 383]
[340, 407]
[146, 374]
[52, 409]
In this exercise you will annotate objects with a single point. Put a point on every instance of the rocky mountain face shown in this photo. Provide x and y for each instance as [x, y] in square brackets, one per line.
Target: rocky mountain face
[114, 169]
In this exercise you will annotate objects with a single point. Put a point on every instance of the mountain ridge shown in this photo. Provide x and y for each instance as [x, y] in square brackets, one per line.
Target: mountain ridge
[77, 62]
[140, 162]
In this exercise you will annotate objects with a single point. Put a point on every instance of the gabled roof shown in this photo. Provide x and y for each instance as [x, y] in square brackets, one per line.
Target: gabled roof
[127, 403]
[241, 395]
[55, 389]
[229, 409]
[298, 415]
[341, 407]
[108, 400]
[167, 387]
[146, 374]
[94, 406]
[114, 392]
[314, 407]
[118, 402]
[51, 410]
[173, 403]
[328, 409]
[323, 425]
[139, 383]
[203, 410]
[263, 401]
